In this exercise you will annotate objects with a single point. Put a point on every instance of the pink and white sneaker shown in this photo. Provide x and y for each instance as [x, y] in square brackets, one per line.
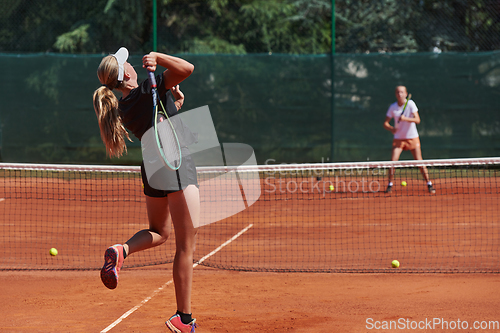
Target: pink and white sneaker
[113, 262]
[177, 326]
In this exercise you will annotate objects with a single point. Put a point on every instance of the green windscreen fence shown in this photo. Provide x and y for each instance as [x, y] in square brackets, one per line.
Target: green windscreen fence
[280, 105]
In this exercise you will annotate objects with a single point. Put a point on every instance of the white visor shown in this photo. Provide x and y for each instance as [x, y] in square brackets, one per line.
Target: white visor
[121, 56]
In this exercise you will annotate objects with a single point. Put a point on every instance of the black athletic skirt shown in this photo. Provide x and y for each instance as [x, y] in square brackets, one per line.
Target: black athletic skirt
[174, 180]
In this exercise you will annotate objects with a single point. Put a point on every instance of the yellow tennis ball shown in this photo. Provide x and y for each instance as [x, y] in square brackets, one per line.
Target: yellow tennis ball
[332, 188]
[403, 183]
[395, 264]
[53, 251]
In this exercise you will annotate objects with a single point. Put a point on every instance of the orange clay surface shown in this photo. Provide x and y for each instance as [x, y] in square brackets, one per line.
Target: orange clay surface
[228, 301]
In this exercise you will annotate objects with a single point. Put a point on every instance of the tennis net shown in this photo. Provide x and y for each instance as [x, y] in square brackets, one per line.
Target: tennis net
[290, 217]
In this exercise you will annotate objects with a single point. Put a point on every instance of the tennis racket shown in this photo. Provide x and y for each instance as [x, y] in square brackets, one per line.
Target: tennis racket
[167, 141]
[404, 108]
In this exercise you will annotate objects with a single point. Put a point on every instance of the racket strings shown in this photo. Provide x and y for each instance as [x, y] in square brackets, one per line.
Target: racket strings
[167, 141]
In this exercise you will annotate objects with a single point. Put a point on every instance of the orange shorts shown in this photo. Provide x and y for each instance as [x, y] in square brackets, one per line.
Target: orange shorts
[406, 144]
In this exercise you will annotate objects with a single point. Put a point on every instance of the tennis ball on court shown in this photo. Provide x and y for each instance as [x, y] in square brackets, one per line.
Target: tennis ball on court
[395, 264]
[53, 251]
[403, 183]
[332, 188]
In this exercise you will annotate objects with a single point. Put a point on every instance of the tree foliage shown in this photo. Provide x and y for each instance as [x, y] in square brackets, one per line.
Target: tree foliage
[246, 26]
[83, 27]
[250, 26]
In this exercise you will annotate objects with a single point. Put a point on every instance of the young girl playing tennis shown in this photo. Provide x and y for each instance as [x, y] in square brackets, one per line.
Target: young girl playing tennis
[405, 133]
[181, 206]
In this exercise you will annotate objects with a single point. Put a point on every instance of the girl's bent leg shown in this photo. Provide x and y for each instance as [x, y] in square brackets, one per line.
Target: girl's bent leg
[159, 227]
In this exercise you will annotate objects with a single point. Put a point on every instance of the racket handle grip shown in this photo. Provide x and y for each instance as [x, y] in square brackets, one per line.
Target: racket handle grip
[152, 79]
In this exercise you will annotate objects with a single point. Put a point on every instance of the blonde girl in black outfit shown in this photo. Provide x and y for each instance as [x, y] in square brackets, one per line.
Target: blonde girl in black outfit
[180, 206]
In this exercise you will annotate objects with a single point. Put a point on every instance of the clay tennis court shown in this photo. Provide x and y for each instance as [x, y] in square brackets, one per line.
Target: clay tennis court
[228, 301]
[454, 231]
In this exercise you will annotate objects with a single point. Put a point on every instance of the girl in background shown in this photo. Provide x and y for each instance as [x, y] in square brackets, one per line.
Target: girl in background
[405, 133]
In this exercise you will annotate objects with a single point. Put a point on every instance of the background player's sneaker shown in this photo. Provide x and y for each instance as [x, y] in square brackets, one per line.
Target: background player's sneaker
[431, 189]
[113, 262]
[177, 326]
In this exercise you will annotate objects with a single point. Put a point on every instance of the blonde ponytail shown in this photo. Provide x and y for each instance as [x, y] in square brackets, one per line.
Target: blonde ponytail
[113, 133]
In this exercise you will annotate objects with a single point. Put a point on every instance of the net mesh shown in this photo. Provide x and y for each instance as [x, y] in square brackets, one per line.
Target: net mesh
[308, 217]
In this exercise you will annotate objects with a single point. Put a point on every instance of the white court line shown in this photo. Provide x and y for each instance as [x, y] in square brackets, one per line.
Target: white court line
[2, 199]
[129, 312]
